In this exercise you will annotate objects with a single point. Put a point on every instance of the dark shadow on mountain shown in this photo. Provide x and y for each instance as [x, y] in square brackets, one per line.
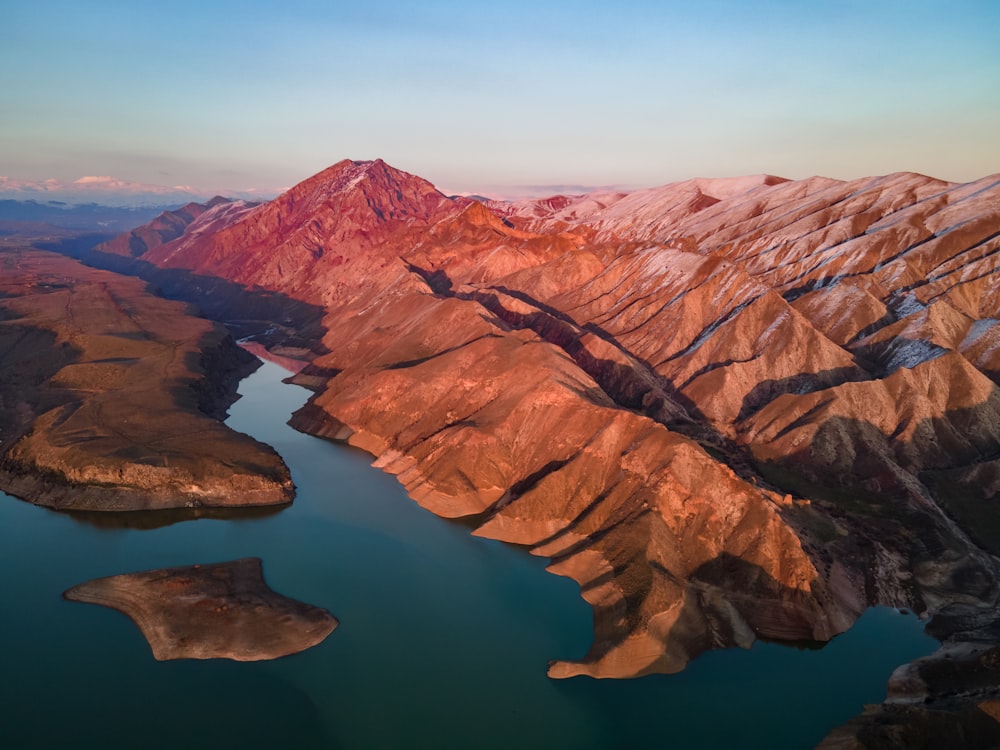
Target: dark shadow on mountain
[799, 384]
[728, 594]
[971, 496]
[271, 317]
[930, 501]
[899, 352]
[438, 280]
[631, 384]
[75, 245]
[726, 602]
[23, 379]
[886, 320]
[920, 521]
[223, 364]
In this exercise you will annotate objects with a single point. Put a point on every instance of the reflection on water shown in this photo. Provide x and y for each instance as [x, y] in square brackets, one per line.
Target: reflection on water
[443, 642]
[155, 519]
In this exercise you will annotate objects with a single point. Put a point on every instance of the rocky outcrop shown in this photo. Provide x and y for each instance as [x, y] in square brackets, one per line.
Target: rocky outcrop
[107, 394]
[730, 409]
[948, 699]
[217, 611]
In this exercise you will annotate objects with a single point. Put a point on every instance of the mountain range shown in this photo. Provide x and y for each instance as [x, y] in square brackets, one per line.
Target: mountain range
[105, 190]
[730, 409]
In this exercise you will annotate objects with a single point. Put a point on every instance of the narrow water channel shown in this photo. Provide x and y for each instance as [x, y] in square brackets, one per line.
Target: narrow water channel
[443, 641]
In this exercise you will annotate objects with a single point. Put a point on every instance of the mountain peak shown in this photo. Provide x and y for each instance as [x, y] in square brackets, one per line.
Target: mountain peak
[348, 211]
[385, 188]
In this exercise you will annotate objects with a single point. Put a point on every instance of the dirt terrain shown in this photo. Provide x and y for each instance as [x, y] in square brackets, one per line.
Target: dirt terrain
[107, 396]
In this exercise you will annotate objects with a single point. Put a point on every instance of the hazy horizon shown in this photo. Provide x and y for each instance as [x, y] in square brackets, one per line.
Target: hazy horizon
[238, 97]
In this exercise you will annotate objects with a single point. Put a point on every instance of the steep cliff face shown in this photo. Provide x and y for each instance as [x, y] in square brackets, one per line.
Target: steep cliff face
[729, 408]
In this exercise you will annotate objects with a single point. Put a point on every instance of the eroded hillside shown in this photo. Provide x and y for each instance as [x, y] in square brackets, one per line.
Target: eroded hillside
[730, 409]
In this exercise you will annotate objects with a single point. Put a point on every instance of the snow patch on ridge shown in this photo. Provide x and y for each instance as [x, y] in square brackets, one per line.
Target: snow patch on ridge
[908, 353]
[908, 305]
[977, 331]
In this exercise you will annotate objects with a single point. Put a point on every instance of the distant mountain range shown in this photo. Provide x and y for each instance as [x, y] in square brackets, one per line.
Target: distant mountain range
[16, 216]
[108, 191]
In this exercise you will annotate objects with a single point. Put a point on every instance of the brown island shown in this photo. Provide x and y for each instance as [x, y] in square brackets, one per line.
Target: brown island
[216, 611]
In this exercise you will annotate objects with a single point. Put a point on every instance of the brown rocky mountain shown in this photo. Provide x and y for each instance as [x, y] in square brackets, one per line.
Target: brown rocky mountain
[191, 218]
[730, 409]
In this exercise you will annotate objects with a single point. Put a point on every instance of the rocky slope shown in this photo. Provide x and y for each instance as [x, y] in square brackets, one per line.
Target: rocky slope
[107, 395]
[730, 409]
[191, 218]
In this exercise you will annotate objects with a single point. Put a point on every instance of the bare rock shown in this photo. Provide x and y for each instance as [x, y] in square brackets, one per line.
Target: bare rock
[730, 409]
[218, 611]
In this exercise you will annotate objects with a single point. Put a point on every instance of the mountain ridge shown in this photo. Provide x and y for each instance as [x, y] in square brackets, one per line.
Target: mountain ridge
[715, 404]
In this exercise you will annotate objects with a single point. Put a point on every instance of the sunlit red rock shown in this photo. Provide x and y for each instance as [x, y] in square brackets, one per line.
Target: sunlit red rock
[730, 409]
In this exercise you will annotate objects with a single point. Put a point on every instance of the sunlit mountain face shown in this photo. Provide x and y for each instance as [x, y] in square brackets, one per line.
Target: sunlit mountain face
[706, 402]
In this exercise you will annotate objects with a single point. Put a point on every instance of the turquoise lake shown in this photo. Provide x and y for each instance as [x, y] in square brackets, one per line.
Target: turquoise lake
[443, 641]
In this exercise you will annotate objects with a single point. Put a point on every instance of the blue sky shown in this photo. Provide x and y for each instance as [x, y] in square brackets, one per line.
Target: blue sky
[492, 96]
